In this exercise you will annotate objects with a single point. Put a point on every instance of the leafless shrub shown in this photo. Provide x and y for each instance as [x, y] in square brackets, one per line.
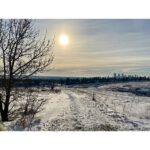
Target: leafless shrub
[27, 109]
[52, 86]
[147, 112]
[93, 98]
[55, 90]
[104, 127]
[123, 109]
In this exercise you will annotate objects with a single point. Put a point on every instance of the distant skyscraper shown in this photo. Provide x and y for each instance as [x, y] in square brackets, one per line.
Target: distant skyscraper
[115, 75]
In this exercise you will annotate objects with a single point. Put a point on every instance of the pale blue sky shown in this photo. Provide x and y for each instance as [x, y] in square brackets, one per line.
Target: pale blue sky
[99, 47]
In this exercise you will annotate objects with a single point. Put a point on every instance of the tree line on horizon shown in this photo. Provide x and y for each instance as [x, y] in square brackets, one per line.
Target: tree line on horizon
[42, 82]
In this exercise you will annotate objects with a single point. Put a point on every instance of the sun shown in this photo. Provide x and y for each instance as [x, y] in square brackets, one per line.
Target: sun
[63, 39]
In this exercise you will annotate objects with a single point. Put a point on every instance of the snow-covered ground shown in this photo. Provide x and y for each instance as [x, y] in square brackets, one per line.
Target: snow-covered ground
[74, 109]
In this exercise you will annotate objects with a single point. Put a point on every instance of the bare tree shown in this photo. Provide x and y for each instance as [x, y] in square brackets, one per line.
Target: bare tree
[22, 54]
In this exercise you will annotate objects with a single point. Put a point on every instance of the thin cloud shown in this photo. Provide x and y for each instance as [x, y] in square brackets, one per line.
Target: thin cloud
[100, 47]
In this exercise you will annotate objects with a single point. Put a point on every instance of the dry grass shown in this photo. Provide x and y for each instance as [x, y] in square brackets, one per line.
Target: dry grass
[1, 127]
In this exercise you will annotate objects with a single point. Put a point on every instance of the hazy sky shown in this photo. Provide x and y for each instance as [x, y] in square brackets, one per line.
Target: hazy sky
[99, 47]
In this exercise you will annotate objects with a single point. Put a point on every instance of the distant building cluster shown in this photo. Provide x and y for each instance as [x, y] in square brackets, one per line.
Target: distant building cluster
[122, 75]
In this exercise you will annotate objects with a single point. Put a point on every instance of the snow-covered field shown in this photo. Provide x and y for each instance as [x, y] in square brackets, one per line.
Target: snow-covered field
[74, 109]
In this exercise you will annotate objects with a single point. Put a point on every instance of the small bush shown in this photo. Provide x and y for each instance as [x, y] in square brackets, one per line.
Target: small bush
[93, 98]
[55, 91]
[108, 127]
[104, 127]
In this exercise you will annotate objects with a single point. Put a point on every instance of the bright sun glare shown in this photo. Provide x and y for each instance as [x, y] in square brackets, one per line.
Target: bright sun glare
[64, 39]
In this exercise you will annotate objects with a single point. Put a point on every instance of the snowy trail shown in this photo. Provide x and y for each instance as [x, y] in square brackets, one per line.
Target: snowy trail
[71, 110]
[74, 109]
[85, 112]
[56, 115]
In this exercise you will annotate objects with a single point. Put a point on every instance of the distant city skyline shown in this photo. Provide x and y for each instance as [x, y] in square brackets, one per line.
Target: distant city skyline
[98, 47]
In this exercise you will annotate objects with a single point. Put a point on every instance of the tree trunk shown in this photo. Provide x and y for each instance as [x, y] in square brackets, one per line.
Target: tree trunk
[6, 107]
[4, 116]
[4, 112]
